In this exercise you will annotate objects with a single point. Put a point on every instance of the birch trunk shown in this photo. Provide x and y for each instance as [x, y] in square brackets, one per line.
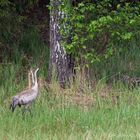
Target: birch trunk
[60, 63]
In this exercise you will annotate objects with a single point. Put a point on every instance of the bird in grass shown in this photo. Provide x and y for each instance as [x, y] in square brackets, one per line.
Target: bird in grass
[26, 97]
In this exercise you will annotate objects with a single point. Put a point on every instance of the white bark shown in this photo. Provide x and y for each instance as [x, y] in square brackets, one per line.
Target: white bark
[58, 57]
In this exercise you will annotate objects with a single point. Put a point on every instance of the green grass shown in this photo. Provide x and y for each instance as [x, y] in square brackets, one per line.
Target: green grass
[56, 118]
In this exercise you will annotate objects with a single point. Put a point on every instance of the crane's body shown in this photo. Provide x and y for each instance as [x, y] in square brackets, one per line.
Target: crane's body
[27, 96]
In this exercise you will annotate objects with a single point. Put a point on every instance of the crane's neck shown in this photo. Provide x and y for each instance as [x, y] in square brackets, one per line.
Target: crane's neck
[35, 80]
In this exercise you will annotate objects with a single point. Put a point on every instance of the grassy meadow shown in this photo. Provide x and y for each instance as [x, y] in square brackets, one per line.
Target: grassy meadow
[64, 114]
[100, 111]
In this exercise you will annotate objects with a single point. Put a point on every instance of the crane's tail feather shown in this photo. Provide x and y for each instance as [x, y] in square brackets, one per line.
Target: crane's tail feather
[14, 103]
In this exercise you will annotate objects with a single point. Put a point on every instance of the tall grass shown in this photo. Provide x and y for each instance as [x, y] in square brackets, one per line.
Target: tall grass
[58, 115]
[96, 113]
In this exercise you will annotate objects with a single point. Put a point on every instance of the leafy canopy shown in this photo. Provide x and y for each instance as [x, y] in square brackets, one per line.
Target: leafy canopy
[92, 30]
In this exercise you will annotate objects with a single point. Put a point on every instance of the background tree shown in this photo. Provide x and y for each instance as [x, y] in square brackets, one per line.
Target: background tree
[60, 62]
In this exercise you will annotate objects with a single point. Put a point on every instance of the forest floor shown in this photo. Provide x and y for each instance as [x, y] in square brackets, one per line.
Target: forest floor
[101, 113]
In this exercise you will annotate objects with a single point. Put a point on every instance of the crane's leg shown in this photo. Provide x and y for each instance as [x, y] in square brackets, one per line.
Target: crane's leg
[25, 109]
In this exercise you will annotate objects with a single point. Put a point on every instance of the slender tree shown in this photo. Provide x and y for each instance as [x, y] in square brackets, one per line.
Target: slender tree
[60, 62]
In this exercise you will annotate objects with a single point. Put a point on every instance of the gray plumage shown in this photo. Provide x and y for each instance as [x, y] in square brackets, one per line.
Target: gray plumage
[27, 96]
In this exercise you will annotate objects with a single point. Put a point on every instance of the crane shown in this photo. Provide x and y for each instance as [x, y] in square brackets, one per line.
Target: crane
[26, 97]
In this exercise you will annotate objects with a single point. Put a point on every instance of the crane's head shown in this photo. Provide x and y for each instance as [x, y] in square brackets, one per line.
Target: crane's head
[36, 70]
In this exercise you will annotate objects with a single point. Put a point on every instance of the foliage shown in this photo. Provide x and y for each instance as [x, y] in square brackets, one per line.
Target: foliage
[9, 25]
[21, 41]
[17, 18]
[97, 28]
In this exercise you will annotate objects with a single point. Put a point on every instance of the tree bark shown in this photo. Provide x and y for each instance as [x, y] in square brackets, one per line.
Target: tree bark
[60, 63]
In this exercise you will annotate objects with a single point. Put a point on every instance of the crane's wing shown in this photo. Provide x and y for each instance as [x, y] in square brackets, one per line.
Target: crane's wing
[27, 96]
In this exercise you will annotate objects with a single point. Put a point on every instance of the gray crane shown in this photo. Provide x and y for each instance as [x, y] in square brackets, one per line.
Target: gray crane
[26, 97]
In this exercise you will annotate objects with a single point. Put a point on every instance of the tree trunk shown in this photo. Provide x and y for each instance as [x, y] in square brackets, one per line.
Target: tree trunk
[60, 63]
